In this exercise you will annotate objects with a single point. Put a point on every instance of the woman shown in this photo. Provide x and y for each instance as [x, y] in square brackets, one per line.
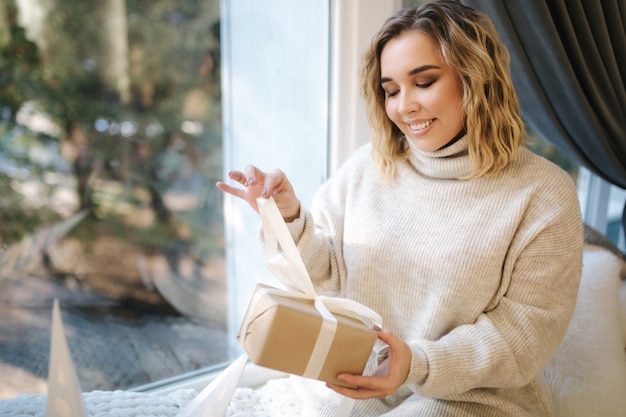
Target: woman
[466, 243]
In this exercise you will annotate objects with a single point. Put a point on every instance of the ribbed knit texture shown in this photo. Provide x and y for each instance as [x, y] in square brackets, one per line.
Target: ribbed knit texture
[274, 399]
[479, 276]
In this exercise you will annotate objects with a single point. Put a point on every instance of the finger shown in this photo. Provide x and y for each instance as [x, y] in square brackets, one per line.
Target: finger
[275, 183]
[391, 372]
[237, 192]
[238, 176]
[363, 382]
[359, 393]
[252, 174]
[384, 334]
[393, 341]
[396, 365]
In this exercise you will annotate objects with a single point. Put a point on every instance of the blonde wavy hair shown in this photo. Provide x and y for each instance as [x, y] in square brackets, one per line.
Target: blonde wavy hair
[471, 46]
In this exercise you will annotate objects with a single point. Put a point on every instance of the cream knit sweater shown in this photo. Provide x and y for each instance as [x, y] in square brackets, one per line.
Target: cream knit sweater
[479, 276]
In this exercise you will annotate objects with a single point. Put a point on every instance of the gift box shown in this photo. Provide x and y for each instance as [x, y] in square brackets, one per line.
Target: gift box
[280, 331]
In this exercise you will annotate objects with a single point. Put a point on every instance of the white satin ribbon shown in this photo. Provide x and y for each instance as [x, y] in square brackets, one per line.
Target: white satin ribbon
[289, 268]
[322, 344]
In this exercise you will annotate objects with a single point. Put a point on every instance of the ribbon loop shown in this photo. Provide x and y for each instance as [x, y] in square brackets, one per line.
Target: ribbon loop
[288, 264]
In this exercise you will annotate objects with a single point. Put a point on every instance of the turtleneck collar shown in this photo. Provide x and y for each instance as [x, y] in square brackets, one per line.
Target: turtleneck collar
[450, 162]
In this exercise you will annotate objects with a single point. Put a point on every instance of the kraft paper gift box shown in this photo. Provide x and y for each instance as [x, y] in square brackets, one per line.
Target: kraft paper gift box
[297, 331]
[280, 331]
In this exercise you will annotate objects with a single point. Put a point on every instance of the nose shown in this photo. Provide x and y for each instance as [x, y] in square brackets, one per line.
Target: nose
[407, 103]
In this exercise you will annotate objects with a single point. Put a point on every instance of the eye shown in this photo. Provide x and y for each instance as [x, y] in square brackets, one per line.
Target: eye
[392, 93]
[426, 84]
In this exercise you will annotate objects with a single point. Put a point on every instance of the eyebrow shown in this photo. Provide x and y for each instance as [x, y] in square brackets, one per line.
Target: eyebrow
[412, 72]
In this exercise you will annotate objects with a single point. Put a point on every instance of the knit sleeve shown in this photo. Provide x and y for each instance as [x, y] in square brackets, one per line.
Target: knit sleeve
[509, 344]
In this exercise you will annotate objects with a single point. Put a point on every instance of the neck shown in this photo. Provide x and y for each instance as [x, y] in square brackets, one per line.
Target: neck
[455, 138]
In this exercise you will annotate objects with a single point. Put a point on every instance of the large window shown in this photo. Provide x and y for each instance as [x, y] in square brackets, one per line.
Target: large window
[110, 145]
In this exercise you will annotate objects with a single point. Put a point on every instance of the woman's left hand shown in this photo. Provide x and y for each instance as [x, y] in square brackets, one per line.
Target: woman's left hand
[388, 377]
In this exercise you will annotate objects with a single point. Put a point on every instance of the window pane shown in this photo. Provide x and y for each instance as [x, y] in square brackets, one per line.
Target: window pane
[611, 205]
[276, 88]
[541, 146]
[110, 146]
[615, 228]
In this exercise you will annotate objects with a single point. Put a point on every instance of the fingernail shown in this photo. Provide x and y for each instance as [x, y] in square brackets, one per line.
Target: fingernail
[376, 328]
[251, 181]
[264, 191]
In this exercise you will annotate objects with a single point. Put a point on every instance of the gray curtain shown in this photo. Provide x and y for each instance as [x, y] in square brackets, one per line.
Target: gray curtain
[568, 62]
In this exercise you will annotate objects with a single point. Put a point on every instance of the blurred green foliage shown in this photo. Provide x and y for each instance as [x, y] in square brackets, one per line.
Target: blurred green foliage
[540, 146]
[115, 145]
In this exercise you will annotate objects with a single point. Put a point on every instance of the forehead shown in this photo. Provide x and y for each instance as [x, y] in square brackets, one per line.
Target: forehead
[411, 48]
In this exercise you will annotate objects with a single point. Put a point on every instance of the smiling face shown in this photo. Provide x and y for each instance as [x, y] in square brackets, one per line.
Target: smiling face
[423, 95]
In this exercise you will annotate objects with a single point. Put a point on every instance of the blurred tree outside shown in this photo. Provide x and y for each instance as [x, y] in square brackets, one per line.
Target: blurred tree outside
[110, 126]
[126, 93]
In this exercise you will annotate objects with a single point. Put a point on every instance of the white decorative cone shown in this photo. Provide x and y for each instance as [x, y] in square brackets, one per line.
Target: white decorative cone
[64, 393]
[213, 400]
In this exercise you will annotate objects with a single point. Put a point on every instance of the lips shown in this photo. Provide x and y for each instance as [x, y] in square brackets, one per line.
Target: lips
[421, 125]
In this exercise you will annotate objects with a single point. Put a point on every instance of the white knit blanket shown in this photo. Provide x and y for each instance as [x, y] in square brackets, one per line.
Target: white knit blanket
[274, 399]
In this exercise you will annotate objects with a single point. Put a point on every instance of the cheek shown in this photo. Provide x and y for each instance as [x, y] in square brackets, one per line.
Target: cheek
[457, 109]
[391, 111]
[450, 101]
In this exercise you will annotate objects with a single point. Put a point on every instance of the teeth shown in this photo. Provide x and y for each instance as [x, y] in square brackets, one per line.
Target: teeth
[422, 125]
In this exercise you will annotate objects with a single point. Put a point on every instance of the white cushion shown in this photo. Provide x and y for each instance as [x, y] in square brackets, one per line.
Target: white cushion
[587, 376]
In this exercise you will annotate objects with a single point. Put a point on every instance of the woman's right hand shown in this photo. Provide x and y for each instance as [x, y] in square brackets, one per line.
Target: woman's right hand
[257, 184]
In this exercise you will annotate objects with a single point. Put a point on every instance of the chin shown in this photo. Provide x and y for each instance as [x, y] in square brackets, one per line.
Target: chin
[426, 145]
